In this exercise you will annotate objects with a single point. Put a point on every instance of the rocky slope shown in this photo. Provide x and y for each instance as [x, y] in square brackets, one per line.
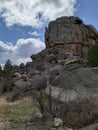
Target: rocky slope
[67, 42]
[62, 62]
[61, 66]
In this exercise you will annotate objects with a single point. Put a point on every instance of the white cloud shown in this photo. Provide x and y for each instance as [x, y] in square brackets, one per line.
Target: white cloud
[34, 12]
[23, 60]
[34, 33]
[21, 52]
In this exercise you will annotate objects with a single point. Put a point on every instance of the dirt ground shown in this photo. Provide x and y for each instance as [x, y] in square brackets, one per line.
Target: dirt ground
[3, 101]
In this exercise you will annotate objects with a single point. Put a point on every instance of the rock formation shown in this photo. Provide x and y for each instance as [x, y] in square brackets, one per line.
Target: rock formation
[67, 42]
[60, 66]
[71, 34]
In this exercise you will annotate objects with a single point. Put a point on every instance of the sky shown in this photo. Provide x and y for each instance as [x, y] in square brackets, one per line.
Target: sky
[23, 22]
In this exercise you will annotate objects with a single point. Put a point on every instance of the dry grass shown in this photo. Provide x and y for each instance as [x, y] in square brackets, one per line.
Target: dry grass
[17, 114]
[19, 111]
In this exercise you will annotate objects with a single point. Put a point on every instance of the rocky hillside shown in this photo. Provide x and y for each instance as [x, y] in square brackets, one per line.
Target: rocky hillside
[62, 67]
[67, 42]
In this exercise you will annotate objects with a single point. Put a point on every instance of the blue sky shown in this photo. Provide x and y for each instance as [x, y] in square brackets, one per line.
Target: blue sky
[23, 22]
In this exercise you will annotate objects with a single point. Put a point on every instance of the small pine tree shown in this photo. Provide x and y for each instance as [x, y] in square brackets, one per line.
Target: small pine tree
[0, 68]
[93, 55]
[0, 71]
[8, 65]
[7, 75]
[7, 69]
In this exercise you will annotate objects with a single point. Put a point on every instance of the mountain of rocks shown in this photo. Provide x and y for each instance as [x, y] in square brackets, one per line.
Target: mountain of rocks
[64, 59]
[62, 62]
[62, 65]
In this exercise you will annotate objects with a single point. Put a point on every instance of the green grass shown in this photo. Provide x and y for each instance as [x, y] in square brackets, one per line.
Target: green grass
[22, 111]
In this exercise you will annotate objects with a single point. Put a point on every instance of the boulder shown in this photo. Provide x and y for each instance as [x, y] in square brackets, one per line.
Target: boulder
[63, 95]
[38, 115]
[68, 128]
[91, 127]
[23, 86]
[39, 81]
[17, 75]
[71, 34]
[72, 83]
[54, 72]
[58, 122]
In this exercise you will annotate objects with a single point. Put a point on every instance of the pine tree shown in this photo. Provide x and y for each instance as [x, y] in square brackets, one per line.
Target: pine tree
[8, 65]
[0, 71]
[93, 55]
[7, 69]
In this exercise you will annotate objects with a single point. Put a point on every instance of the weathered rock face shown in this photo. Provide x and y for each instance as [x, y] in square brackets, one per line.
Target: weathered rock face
[71, 34]
[74, 82]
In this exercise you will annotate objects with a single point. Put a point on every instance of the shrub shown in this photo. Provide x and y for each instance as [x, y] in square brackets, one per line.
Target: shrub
[93, 55]
[6, 85]
[14, 95]
[2, 86]
[49, 107]
[0, 71]
[9, 84]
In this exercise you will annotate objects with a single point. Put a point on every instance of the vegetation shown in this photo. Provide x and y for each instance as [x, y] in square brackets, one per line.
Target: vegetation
[21, 111]
[7, 69]
[93, 55]
[0, 72]
[6, 82]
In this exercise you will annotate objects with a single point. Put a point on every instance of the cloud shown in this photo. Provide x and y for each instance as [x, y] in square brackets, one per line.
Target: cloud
[4, 47]
[34, 12]
[34, 33]
[21, 52]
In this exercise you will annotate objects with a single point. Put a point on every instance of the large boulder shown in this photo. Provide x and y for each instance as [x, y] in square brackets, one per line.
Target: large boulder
[73, 83]
[91, 127]
[39, 82]
[71, 34]
[23, 86]
[19, 89]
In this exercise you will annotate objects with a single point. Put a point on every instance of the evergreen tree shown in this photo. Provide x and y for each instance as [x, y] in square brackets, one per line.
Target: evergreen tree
[0, 71]
[7, 69]
[93, 55]
[8, 65]
[0, 68]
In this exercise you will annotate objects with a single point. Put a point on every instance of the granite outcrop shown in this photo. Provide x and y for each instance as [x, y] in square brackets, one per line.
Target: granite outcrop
[71, 34]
